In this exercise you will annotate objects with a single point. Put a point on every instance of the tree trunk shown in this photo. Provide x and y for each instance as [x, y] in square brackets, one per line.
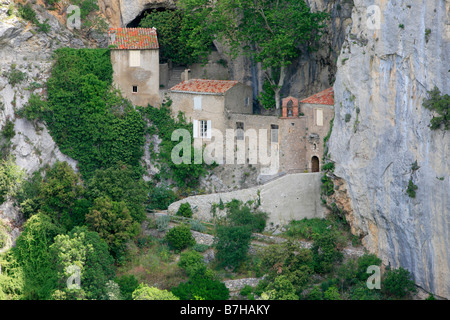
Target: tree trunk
[279, 86]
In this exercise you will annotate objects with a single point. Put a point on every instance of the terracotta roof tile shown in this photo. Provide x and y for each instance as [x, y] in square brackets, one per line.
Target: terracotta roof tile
[324, 97]
[133, 38]
[205, 86]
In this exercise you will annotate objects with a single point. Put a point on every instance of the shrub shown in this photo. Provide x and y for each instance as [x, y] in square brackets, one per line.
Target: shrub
[202, 287]
[128, 284]
[190, 262]
[232, 243]
[398, 283]
[8, 130]
[160, 197]
[315, 294]
[197, 226]
[180, 237]
[332, 293]
[440, 104]
[348, 116]
[306, 228]
[325, 252]
[364, 262]
[411, 190]
[162, 222]
[200, 247]
[185, 210]
[144, 292]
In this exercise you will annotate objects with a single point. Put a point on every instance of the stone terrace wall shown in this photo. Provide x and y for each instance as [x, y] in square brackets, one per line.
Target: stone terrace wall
[293, 196]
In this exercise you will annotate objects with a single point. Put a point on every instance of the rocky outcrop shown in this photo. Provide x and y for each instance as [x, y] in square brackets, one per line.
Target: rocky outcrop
[383, 76]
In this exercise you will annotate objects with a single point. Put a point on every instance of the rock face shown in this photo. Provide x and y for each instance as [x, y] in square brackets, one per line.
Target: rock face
[383, 76]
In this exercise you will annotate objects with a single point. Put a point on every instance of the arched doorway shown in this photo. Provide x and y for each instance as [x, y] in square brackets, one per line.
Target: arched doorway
[315, 164]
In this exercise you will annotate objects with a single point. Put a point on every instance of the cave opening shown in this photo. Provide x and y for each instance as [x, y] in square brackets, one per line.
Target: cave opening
[136, 21]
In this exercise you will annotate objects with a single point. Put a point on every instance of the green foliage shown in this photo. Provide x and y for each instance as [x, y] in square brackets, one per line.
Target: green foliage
[163, 125]
[180, 237]
[185, 210]
[191, 261]
[86, 7]
[179, 36]
[120, 183]
[34, 108]
[232, 243]
[113, 222]
[144, 292]
[362, 292]
[411, 189]
[86, 250]
[11, 277]
[241, 214]
[267, 96]
[281, 289]
[197, 226]
[306, 228]
[89, 120]
[202, 286]
[398, 283]
[8, 130]
[14, 75]
[33, 256]
[327, 187]
[160, 197]
[325, 252]
[162, 222]
[440, 105]
[200, 247]
[364, 262]
[11, 178]
[59, 192]
[128, 284]
[332, 293]
[26, 12]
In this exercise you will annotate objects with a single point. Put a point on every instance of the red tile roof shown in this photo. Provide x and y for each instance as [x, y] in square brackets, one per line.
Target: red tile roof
[324, 97]
[204, 86]
[133, 38]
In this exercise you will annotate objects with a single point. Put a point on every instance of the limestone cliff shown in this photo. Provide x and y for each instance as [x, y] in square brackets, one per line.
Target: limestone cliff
[383, 76]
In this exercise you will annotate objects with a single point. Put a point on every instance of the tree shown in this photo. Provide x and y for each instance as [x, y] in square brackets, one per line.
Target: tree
[112, 221]
[11, 178]
[398, 283]
[281, 289]
[232, 243]
[33, 256]
[269, 32]
[144, 292]
[441, 105]
[325, 252]
[180, 237]
[176, 34]
[119, 183]
[84, 249]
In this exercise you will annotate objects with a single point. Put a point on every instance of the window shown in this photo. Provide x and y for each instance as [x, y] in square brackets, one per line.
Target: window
[319, 117]
[274, 133]
[247, 101]
[239, 130]
[202, 129]
[135, 58]
[197, 103]
[135, 89]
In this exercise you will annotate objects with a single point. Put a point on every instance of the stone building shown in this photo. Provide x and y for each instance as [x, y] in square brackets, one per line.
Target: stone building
[135, 60]
[303, 125]
[208, 104]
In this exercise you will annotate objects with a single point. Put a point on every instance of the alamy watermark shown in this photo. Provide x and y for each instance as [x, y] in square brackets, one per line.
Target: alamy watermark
[73, 17]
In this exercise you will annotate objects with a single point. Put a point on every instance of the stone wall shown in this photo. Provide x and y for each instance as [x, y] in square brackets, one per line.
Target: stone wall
[145, 77]
[293, 196]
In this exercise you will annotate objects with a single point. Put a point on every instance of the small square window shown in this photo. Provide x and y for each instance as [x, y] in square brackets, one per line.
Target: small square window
[135, 89]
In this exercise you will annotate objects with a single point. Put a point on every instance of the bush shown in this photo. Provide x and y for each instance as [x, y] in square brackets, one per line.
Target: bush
[306, 228]
[197, 226]
[144, 292]
[398, 283]
[440, 104]
[315, 294]
[162, 222]
[185, 210]
[232, 243]
[199, 247]
[190, 262]
[180, 237]
[128, 284]
[364, 262]
[325, 252]
[160, 198]
[332, 293]
[8, 130]
[202, 287]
